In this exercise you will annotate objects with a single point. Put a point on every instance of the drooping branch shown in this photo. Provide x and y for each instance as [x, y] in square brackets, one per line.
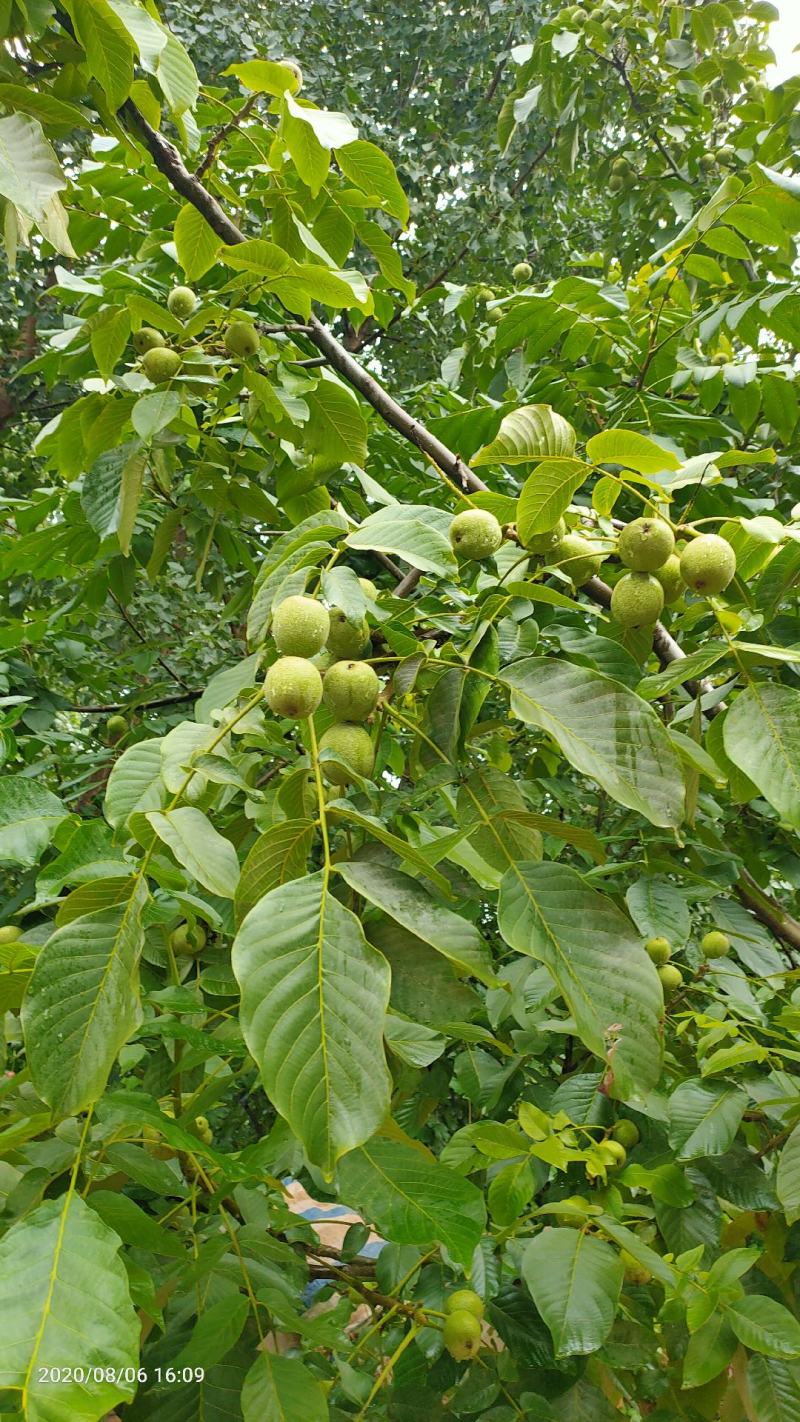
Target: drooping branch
[169, 162]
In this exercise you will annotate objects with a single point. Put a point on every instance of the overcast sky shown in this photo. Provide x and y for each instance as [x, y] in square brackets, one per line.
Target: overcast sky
[784, 35]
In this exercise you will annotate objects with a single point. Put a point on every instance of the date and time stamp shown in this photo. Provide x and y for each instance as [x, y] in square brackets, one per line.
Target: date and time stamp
[119, 1377]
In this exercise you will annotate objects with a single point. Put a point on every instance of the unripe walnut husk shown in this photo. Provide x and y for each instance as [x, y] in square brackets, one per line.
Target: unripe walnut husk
[350, 690]
[577, 557]
[353, 745]
[475, 533]
[160, 364]
[347, 640]
[146, 340]
[462, 1335]
[669, 576]
[637, 600]
[546, 542]
[300, 626]
[293, 688]
[645, 544]
[181, 302]
[707, 564]
[241, 339]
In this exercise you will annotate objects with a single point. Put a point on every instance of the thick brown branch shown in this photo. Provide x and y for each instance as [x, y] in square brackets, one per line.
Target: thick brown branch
[767, 910]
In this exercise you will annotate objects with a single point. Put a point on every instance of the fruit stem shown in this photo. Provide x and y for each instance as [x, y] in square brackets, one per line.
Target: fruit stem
[323, 820]
[387, 1368]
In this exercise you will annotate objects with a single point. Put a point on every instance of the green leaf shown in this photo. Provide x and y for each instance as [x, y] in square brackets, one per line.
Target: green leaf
[197, 243]
[528, 434]
[337, 432]
[510, 1190]
[280, 1389]
[152, 413]
[217, 1330]
[412, 1199]
[112, 490]
[788, 1178]
[710, 1350]
[605, 731]
[31, 178]
[177, 76]
[82, 1003]
[109, 48]
[765, 1326]
[314, 996]
[311, 158]
[575, 1281]
[278, 855]
[133, 1224]
[762, 737]
[547, 494]
[75, 1303]
[412, 1041]
[632, 451]
[374, 173]
[774, 1388]
[109, 332]
[597, 960]
[29, 815]
[704, 1117]
[415, 532]
[134, 782]
[405, 851]
[202, 850]
[658, 908]
[263, 76]
[409, 905]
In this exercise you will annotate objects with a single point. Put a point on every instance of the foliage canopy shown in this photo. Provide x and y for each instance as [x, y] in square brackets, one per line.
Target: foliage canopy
[361, 828]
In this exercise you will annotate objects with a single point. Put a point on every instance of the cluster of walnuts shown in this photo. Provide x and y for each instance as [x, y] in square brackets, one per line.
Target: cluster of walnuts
[657, 575]
[160, 362]
[322, 660]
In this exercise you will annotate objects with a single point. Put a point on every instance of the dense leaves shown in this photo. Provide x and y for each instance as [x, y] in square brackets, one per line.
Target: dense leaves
[422, 1042]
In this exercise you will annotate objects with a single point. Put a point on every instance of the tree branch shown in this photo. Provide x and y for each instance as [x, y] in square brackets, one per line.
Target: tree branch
[140, 705]
[169, 162]
[222, 133]
[767, 910]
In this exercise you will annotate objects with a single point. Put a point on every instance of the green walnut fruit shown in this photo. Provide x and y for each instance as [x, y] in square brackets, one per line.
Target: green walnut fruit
[546, 542]
[614, 1154]
[462, 1335]
[707, 162]
[116, 728]
[671, 978]
[368, 588]
[202, 1130]
[577, 557]
[353, 745]
[523, 271]
[300, 626]
[635, 1273]
[464, 1299]
[669, 576]
[726, 153]
[187, 942]
[475, 534]
[350, 690]
[646, 544]
[715, 944]
[347, 640]
[241, 339]
[616, 183]
[627, 1133]
[297, 75]
[293, 688]
[9, 933]
[160, 364]
[579, 15]
[707, 564]
[620, 165]
[147, 339]
[637, 600]
[659, 950]
[181, 302]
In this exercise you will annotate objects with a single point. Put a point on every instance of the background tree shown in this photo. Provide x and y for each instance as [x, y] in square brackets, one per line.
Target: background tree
[400, 725]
